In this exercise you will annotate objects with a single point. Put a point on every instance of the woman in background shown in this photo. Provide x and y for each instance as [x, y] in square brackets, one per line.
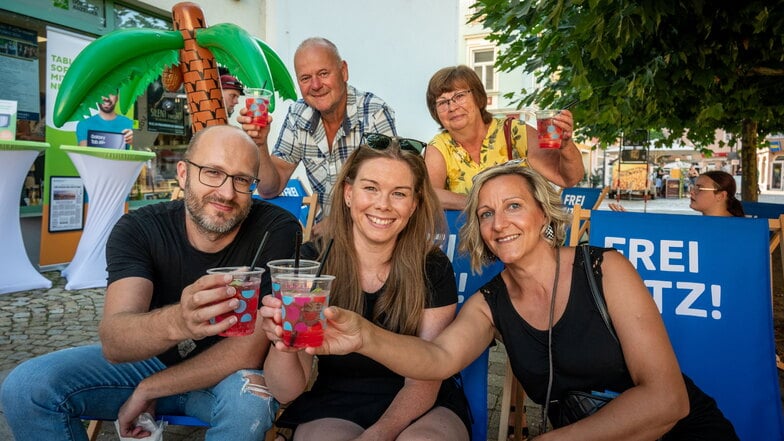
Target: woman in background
[712, 194]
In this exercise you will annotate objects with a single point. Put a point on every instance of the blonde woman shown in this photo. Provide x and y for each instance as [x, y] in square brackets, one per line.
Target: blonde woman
[542, 307]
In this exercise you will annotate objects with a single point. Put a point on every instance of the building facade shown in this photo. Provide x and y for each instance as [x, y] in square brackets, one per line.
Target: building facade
[392, 49]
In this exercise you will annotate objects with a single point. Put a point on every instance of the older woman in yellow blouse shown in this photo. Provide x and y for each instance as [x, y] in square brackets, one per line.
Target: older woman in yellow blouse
[472, 140]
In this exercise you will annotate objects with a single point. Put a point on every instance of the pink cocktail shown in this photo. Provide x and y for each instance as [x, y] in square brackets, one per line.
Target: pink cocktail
[257, 103]
[246, 284]
[550, 135]
[304, 299]
[289, 266]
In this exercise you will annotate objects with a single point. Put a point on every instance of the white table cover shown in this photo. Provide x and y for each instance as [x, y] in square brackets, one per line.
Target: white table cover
[108, 176]
[17, 273]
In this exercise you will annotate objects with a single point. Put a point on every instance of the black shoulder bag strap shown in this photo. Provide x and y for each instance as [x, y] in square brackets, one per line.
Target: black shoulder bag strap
[598, 299]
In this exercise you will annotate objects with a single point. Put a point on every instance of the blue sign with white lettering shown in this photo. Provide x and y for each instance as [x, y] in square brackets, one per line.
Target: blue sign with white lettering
[762, 209]
[710, 278]
[582, 196]
[585, 197]
[294, 188]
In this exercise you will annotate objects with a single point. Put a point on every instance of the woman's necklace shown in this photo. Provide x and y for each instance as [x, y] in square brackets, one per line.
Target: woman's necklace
[545, 409]
[374, 280]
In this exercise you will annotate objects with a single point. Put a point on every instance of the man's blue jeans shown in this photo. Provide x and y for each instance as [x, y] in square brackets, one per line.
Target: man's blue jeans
[44, 397]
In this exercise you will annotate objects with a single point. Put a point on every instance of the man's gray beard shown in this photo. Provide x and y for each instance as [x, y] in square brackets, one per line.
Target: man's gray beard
[194, 208]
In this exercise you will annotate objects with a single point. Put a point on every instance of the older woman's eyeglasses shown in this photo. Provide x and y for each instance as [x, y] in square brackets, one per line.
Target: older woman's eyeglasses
[458, 99]
[380, 141]
[212, 177]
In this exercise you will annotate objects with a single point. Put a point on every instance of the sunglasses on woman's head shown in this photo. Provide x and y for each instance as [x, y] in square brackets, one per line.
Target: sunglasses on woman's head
[380, 141]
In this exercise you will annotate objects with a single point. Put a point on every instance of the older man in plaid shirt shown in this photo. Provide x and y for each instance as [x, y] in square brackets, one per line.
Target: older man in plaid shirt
[322, 128]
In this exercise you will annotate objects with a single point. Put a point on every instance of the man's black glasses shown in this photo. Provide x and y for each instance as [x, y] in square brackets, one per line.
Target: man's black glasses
[380, 141]
[212, 177]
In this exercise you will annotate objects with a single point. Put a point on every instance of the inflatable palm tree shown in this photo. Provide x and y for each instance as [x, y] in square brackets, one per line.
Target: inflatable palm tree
[130, 59]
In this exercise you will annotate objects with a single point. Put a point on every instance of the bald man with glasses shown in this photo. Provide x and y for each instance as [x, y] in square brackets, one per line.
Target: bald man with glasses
[160, 352]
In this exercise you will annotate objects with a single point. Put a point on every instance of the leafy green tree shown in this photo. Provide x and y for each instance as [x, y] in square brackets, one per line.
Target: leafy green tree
[687, 67]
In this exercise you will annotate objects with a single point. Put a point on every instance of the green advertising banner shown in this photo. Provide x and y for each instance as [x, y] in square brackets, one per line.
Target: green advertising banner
[58, 248]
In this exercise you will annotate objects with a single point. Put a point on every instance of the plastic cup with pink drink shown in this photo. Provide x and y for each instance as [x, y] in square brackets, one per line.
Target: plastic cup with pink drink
[246, 282]
[304, 299]
[257, 103]
[289, 266]
[550, 135]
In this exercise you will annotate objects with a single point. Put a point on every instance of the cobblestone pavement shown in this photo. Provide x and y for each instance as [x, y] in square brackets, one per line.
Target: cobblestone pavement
[41, 321]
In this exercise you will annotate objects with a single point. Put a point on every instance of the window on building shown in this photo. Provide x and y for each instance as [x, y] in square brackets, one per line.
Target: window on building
[483, 60]
[125, 17]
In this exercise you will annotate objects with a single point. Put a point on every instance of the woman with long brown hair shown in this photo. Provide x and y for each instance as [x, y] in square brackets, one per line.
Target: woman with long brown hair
[385, 226]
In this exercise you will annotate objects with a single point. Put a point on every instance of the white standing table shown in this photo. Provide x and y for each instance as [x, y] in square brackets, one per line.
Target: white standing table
[108, 176]
[17, 273]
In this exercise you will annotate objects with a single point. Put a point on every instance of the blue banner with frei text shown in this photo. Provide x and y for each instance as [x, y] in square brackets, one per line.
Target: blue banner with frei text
[762, 209]
[710, 278]
[585, 197]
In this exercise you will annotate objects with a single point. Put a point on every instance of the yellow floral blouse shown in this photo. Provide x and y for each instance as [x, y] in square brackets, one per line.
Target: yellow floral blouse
[461, 169]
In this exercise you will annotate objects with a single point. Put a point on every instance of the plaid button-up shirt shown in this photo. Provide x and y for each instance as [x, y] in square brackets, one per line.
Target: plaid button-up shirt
[303, 138]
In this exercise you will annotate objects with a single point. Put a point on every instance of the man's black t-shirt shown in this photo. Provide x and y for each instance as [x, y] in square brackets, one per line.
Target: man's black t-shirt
[152, 243]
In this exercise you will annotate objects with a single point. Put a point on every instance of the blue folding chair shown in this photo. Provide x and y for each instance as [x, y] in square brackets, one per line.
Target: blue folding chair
[587, 198]
[474, 375]
[775, 215]
[175, 420]
[296, 201]
[764, 210]
[717, 310]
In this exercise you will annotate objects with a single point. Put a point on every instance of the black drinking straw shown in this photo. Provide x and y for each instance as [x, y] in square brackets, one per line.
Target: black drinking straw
[258, 251]
[297, 245]
[324, 257]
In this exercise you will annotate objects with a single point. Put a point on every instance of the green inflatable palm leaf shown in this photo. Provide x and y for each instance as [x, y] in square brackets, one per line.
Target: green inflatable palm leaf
[249, 58]
[280, 75]
[234, 48]
[138, 81]
[108, 63]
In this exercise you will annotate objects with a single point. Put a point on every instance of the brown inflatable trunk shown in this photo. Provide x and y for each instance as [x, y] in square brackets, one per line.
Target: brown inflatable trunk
[199, 70]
